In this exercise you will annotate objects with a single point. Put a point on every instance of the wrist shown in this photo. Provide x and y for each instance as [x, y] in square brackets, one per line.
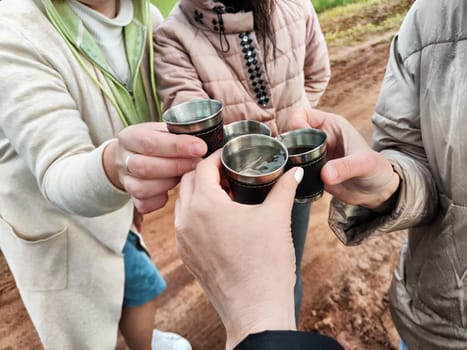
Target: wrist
[387, 197]
[272, 317]
[109, 164]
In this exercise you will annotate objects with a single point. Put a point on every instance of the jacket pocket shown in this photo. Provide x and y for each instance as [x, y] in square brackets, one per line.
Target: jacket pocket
[36, 265]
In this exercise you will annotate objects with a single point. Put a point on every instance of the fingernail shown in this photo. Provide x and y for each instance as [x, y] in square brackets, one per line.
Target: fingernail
[298, 175]
[197, 149]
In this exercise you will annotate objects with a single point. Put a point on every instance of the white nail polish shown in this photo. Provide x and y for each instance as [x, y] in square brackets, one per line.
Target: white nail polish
[298, 174]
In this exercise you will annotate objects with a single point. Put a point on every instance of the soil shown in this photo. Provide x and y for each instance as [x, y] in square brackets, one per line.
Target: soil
[345, 288]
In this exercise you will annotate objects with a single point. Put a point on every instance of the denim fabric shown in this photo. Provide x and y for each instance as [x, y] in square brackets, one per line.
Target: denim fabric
[142, 279]
[402, 346]
[300, 217]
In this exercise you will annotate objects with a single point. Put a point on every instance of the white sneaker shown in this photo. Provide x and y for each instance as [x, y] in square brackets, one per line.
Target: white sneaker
[168, 341]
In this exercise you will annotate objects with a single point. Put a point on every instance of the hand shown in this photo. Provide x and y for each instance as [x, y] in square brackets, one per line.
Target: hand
[147, 161]
[354, 173]
[242, 255]
[138, 219]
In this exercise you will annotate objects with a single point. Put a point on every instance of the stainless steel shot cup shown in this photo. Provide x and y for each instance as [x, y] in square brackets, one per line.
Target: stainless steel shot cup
[252, 164]
[202, 118]
[244, 127]
[307, 149]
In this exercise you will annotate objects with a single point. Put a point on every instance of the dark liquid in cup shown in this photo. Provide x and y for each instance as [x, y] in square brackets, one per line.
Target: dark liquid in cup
[299, 149]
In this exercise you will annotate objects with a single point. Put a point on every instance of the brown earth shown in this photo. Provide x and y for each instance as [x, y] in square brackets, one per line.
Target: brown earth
[345, 288]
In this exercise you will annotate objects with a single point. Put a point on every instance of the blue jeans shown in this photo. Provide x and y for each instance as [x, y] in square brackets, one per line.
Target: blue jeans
[143, 281]
[402, 346]
[300, 217]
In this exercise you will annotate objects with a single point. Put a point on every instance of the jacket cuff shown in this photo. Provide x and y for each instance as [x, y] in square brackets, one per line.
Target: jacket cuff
[106, 193]
[353, 223]
[283, 340]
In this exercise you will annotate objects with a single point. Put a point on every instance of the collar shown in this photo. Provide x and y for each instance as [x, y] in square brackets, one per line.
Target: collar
[106, 31]
[207, 15]
[73, 30]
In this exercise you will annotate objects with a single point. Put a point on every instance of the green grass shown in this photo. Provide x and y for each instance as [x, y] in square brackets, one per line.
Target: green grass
[164, 5]
[322, 5]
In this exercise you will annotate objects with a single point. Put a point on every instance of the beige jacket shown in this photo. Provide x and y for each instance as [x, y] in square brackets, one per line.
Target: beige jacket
[62, 223]
[195, 59]
[420, 124]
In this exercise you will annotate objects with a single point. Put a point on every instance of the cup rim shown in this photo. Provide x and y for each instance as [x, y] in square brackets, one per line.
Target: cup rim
[254, 179]
[196, 124]
[310, 154]
[231, 129]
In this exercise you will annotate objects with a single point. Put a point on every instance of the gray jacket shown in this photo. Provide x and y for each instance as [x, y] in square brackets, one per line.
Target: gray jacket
[419, 126]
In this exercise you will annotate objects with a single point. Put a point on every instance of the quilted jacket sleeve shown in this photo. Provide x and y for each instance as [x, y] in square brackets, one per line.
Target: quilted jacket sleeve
[177, 78]
[317, 69]
[397, 136]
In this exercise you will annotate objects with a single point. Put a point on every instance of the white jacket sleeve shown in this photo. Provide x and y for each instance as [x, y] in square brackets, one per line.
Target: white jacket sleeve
[40, 119]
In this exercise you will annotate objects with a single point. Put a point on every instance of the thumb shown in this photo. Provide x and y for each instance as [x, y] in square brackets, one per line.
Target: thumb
[283, 191]
[298, 119]
[339, 170]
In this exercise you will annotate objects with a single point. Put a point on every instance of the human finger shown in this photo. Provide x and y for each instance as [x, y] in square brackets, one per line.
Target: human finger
[283, 192]
[298, 119]
[185, 193]
[207, 173]
[363, 164]
[150, 204]
[150, 167]
[147, 188]
[151, 142]
[309, 118]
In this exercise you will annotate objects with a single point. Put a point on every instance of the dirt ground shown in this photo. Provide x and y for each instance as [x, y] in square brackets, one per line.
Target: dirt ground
[345, 288]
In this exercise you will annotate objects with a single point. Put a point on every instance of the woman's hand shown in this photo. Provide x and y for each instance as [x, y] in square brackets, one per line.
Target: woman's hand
[147, 161]
[354, 173]
[242, 255]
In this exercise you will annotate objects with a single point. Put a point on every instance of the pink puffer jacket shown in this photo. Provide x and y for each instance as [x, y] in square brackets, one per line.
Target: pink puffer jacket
[204, 52]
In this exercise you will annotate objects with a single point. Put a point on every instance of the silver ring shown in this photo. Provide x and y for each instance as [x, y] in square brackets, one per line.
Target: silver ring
[127, 160]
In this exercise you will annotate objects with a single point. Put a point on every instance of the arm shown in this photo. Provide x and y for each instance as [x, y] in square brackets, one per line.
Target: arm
[42, 122]
[244, 263]
[391, 188]
[177, 78]
[397, 137]
[316, 67]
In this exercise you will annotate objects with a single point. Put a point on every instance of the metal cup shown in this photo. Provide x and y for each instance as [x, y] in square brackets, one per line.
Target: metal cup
[307, 149]
[252, 164]
[201, 118]
[244, 127]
